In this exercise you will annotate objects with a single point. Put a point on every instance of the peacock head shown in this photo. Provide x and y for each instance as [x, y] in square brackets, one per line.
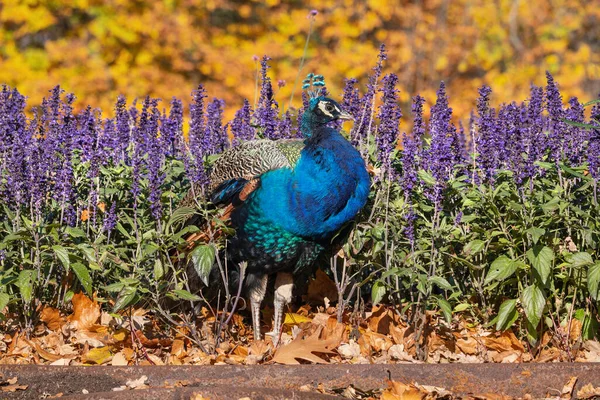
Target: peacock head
[321, 111]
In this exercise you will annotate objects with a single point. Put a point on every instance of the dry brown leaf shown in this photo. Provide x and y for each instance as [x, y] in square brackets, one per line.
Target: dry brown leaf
[178, 348]
[85, 311]
[374, 342]
[320, 287]
[52, 318]
[258, 348]
[13, 388]
[468, 345]
[304, 349]
[402, 391]
[380, 320]
[46, 355]
[119, 359]
[588, 392]
[567, 391]
[504, 342]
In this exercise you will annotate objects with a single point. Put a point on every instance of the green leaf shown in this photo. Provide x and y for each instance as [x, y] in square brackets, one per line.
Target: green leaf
[181, 214]
[426, 177]
[501, 268]
[203, 259]
[185, 295]
[377, 292]
[4, 299]
[507, 315]
[591, 102]
[580, 259]
[536, 233]
[75, 232]
[63, 255]
[25, 285]
[593, 280]
[84, 277]
[446, 309]
[541, 259]
[474, 247]
[125, 298]
[159, 270]
[533, 301]
[462, 307]
[440, 282]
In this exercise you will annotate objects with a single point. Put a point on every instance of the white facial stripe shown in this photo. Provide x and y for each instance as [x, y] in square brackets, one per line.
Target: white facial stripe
[323, 108]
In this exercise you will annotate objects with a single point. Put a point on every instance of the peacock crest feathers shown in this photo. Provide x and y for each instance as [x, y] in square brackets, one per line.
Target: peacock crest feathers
[313, 84]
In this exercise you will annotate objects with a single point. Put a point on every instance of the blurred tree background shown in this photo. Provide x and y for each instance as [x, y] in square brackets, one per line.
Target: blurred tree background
[99, 49]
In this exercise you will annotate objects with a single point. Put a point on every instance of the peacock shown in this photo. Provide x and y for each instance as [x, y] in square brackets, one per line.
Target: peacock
[286, 200]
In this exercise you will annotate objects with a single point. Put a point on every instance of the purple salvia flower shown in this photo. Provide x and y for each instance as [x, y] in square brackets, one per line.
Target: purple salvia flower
[267, 110]
[194, 162]
[154, 165]
[534, 141]
[351, 104]
[109, 141]
[409, 229]
[241, 127]
[576, 136]
[285, 127]
[362, 125]
[64, 191]
[418, 130]
[439, 161]
[511, 122]
[110, 220]
[409, 161]
[389, 119]
[593, 152]
[14, 141]
[171, 129]
[38, 163]
[123, 126]
[556, 126]
[458, 218]
[488, 141]
[215, 139]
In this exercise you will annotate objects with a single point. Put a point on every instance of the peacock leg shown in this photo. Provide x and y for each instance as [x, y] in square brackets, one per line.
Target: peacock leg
[284, 283]
[256, 292]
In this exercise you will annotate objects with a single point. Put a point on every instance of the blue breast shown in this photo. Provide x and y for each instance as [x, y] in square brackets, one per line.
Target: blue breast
[328, 187]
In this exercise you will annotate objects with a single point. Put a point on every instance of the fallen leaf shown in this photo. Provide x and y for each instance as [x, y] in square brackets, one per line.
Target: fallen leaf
[13, 388]
[119, 359]
[567, 391]
[401, 391]
[85, 311]
[304, 349]
[61, 362]
[320, 287]
[52, 318]
[178, 348]
[468, 345]
[295, 319]
[588, 392]
[349, 350]
[98, 355]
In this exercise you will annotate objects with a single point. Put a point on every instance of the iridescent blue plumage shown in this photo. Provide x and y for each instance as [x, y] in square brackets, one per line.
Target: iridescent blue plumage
[285, 217]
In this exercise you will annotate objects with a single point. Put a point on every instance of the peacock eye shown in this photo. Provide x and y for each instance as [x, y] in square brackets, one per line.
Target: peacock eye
[329, 108]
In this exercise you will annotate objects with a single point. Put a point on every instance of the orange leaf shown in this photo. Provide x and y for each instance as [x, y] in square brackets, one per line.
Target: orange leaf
[52, 318]
[85, 311]
[304, 349]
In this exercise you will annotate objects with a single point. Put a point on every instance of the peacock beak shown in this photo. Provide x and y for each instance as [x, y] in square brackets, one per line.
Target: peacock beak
[345, 116]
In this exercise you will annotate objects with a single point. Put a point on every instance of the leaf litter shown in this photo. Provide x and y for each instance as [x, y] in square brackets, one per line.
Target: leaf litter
[90, 336]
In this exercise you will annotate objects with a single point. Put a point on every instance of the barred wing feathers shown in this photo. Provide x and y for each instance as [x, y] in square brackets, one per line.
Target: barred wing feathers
[251, 159]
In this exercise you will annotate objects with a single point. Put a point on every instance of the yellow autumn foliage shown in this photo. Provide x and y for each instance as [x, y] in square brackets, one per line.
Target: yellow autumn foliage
[99, 49]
